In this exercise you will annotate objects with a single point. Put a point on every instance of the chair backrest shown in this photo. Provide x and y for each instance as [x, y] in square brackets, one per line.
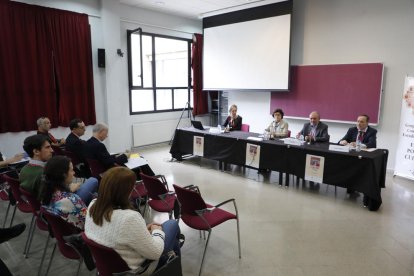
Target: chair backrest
[289, 133]
[96, 167]
[4, 194]
[60, 228]
[15, 188]
[73, 157]
[245, 127]
[190, 200]
[153, 186]
[57, 150]
[33, 202]
[107, 260]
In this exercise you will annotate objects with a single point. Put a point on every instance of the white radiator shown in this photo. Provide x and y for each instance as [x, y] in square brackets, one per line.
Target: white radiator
[155, 132]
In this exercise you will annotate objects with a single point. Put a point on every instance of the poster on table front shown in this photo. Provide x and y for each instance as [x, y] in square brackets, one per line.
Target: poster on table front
[314, 168]
[198, 146]
[252, 155]
[404, 163]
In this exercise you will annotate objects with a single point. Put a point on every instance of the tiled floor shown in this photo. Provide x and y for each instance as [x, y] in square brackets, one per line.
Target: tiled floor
[294, 231]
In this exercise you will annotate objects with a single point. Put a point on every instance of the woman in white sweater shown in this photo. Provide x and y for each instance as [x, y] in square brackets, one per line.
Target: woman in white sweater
[111, 221]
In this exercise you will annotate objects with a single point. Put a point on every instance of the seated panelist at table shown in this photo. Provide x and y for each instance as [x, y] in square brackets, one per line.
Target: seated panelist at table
[315, 130]
[361, 132]
[234, 121]
[279, 127]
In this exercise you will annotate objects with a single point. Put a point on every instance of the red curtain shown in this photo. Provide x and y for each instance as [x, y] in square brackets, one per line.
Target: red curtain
[200, 97]
[33, 77]
[70, 35]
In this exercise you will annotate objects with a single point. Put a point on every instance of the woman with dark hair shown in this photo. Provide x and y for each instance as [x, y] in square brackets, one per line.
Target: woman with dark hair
[279, 127]
[112, 222]
[58, 194]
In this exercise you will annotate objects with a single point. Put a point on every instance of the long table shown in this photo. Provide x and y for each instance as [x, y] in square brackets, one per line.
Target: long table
[362, 171]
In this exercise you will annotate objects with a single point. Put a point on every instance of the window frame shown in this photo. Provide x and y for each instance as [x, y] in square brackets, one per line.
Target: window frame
[154, 88]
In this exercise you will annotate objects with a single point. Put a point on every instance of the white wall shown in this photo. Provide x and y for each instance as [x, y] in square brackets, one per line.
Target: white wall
[331, 32]
[324, 32]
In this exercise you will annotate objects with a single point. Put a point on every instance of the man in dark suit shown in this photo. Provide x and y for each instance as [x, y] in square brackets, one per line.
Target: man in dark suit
[368, 137]
[95, 149]
[361, 132]
[75, 145]
[315, 130]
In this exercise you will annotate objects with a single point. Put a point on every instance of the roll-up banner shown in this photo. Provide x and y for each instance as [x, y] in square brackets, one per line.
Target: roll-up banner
[404, 163]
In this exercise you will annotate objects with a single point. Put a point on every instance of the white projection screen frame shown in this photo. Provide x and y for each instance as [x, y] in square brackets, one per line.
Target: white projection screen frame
[248, 55]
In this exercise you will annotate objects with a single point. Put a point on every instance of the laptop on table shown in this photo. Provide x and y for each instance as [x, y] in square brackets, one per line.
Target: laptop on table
[198, 125]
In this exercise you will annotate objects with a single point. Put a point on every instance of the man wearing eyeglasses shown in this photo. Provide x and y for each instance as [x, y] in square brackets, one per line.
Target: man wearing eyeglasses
[76, 145]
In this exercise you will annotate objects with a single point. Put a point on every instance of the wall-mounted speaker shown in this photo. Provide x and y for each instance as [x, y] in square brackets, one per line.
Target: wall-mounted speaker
[101, 58]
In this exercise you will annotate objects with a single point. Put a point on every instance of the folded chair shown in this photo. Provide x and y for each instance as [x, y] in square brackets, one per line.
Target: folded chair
[202, 216]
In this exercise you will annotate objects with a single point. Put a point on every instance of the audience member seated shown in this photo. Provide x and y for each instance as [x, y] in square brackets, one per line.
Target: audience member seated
[39, 150]
[95, 149]
[278, 128]
[315, 130]
[5, 235]
[361, 132]
[111, 222]
[76, 145]
[234, 121]
[4, 163]
[58, 195]
[43, 127]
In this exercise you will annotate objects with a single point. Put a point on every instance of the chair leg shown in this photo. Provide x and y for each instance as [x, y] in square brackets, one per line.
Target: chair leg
[238, 236]
[43, 256]
[204, 253]
[7, 214]
[79, 266]
[51, 259]
[14, 212]
[29, 236]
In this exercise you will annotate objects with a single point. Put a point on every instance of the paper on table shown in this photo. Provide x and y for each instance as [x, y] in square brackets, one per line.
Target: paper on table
[136, 162]
[370, 149]
[255, 138]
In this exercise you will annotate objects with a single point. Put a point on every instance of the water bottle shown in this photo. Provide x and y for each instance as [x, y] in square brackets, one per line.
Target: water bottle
[219, 128]
[358, 146]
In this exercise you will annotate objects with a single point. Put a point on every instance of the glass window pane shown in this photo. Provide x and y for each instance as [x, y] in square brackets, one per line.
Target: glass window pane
[180, 98]
[136, 60]
[164, 99]
[171, 56]
[142, 100]
[147, 60]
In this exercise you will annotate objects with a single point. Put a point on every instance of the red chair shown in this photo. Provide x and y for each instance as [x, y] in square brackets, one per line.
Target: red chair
[77, 163]
[160, 198]
[4, 195]
[245, 127]
[97, 169]
[107, 260]
[289, 133]
[201, 216]
[139, 195]
[58, 228]
[39, 221]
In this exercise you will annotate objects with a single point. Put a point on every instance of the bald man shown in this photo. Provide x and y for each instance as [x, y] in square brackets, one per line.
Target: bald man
[315, 130]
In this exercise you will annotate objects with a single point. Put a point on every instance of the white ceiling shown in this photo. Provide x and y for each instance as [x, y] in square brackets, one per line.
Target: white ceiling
[195, 9]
